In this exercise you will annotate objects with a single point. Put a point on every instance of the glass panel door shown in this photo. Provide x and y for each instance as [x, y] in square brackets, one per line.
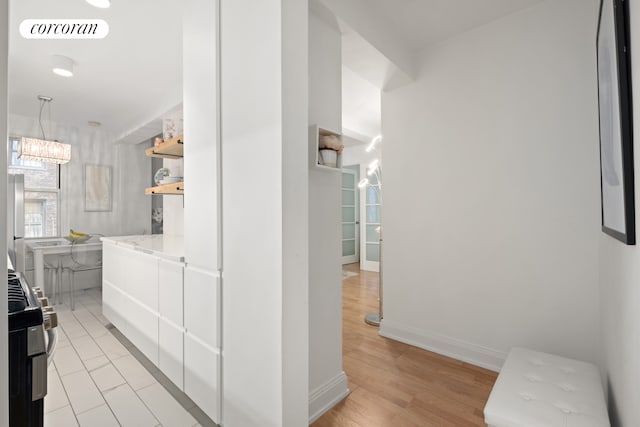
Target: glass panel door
[372, 223]
[350, 215]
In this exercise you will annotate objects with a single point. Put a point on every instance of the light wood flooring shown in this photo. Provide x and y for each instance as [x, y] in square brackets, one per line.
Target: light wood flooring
[397, 385]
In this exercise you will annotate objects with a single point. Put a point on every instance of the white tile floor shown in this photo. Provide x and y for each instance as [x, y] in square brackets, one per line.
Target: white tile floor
[97, 378]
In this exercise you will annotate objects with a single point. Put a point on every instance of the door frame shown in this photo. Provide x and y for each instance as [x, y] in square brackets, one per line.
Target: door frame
[350, 259]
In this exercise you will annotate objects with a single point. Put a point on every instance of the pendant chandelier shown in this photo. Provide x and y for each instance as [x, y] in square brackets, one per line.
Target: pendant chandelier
[42, 150]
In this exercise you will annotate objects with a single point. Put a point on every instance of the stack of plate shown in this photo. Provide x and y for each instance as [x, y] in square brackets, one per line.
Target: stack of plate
[170, 180]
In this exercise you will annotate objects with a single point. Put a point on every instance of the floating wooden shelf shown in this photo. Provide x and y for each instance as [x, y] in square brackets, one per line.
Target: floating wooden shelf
[175, 188]
[170, 149]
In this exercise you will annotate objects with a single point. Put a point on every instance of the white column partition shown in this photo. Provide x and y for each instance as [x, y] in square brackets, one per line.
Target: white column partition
[202, 355]
[246, 193]
[264, 207]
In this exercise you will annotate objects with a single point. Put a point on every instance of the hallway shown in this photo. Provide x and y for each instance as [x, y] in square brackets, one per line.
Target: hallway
[396, 384]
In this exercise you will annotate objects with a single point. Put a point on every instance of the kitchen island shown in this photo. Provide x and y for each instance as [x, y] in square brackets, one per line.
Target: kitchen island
[160, 245]
[175, 326]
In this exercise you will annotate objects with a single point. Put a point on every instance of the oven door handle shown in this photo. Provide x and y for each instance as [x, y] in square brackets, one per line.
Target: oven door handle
[52, 341]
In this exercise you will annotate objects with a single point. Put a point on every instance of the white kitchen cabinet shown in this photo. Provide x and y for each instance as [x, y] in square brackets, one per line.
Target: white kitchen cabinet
[202, 375]
[171, 330]
[169, 312]
[171, 352]
[143, 328]
[202, 296]
[134, 272]
[130, 296]
[170, 289]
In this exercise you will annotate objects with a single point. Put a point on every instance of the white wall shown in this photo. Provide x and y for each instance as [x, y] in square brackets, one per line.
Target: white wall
[295, 213]
[4, 327]
[357, 155]
[173, 206]
[327, 381]
[491, 189]
[361, 105]
[619, 290]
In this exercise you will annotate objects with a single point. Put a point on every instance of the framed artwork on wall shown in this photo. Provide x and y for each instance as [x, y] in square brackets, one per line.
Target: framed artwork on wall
[97, 188]
[616, 121]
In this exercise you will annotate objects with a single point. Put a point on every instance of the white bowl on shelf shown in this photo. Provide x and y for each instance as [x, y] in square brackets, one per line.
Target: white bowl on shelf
[328, 157]
[171, 180]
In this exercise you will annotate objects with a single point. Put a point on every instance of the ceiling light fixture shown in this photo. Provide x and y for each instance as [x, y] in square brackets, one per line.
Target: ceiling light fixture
[373, 166]
[41, 150]
[102, 4]
[62, 65]
[373, 143]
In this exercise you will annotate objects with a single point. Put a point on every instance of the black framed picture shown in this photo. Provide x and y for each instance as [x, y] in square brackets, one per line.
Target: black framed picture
[616, 121]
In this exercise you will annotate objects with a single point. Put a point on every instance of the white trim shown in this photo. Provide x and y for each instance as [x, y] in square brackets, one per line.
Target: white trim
[461, 350]
[327, 396]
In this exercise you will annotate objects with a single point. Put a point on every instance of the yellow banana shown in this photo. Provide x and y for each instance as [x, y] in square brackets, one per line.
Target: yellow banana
[76, 234]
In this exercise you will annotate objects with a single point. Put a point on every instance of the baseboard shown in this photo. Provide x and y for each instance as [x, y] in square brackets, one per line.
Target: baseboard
[327, 396]
[461, 350]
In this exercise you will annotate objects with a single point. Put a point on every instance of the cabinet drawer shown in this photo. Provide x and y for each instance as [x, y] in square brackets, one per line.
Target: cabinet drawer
[110, 260]
[202, 376]
[140, 277]
[170, 290]
[202, 306]
[134, 272]
[142, 330]
[171, 352]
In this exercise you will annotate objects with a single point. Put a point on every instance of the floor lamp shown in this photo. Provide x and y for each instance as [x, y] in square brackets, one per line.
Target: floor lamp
[374, 168]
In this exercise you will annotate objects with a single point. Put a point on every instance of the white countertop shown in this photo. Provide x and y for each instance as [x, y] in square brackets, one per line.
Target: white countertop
[168, 247]
[57, 243]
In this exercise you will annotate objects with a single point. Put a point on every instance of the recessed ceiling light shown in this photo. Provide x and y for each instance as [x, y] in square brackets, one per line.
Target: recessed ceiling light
[62, 65]
[102, 4]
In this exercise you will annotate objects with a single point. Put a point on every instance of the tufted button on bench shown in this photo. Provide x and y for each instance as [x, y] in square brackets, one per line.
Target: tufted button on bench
[538, 389]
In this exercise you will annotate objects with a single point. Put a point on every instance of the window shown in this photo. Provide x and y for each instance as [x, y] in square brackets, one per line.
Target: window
[41, 193]
[35, 212]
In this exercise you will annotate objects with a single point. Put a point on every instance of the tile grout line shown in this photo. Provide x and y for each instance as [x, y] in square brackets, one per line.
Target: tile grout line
[106, 402]
[75, 416]
[123, 377]
[65, 392]
[164, 377]
[90, 376]
[88, 373]
[109, 328]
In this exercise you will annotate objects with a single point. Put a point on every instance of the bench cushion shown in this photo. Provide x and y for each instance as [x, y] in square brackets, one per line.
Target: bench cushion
[539, 389]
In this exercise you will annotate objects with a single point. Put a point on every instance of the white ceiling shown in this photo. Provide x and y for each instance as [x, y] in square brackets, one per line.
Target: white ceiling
[361, 105]
[424, 22]
[123, 81]
[417, 24]
[134, 75]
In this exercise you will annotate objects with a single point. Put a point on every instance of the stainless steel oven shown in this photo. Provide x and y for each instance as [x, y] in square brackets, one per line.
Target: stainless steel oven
[32, 340]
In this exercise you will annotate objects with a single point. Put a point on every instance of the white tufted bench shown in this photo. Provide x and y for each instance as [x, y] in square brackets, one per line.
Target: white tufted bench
[538, 389]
